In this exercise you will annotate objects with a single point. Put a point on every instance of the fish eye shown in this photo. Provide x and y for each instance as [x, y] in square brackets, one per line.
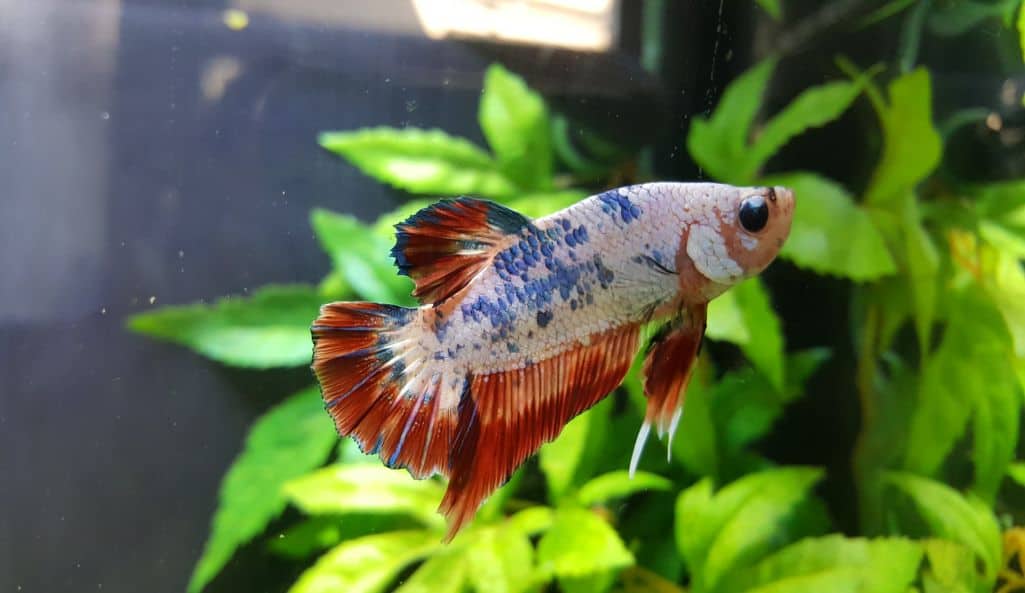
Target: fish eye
[754, 214]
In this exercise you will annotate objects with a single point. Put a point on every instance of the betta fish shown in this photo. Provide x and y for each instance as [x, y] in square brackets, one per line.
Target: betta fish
[527, 323]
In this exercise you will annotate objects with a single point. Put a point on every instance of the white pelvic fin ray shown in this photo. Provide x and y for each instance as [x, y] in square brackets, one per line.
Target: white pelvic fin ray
[642, 437]
[673, 425]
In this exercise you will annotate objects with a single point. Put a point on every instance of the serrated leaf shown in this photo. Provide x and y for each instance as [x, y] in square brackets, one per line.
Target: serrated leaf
[500, 560]
[911, 145]
[342, 489]
[289, 440]
[739, 523]
[744, 316]
[619, 484]
[442, 573]
[421, 161]
[579, 543]
[269, 329]
[830, 234]
[719, 142]
[361, 257]
[813, 108]
[951, 515]
[968, 373]
[515, 121]
[367, 564]
[835, 563]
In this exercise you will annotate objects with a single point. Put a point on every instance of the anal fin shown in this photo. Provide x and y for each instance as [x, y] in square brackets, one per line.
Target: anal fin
[668, 365]
[505, 417]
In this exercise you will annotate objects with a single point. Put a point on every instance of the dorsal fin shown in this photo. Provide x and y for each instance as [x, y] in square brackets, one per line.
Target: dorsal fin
[445, 245]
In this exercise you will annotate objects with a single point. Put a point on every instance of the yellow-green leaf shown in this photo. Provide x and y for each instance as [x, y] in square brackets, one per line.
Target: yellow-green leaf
[911, 144]
[619, 484]
[287, 441]
[830, 233]
[744, 316]
[579, 543]
[421, 161]
[514, 119]
[341, 489]
[269, 329]
[367, 564]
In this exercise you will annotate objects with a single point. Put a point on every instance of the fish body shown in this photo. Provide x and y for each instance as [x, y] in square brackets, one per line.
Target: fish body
[527, 323]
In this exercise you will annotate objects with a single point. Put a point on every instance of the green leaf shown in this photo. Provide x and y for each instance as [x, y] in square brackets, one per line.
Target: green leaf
[500, 560]
[830, 234]
[744, 316]
[759, 526]
[579, 543]
[697, 446]
[719, 143]
[911, 145]
[951, 568]
[367, 564]
[953, 516]
[287, 441]
[619, 484]
[746, 405]
[532, 520]
[922, 270]
[1016, 471]
[543, 204]
[957, 18]
[813, 108]
[442, 573]
[341, 489]
[568, 457]
[514, 119]
[1021, 32]
[969, 372]
[421, 161]
[269, 329]
[835, 563]
[772, 7]
[361, 257]
[738, 524]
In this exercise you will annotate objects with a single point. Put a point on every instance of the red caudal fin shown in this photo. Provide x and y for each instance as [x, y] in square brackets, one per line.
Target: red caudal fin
[379, 391]
[667, 369]
[505, 417]
[444, 246]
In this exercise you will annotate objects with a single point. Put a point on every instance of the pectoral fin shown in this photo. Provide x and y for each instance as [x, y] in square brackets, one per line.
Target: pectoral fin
[667, 369]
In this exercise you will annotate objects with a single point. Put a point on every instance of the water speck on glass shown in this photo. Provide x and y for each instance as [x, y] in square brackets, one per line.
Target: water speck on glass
[152, 300]
[103, 310]
[411, 106]
[105, 115]
[181, 253]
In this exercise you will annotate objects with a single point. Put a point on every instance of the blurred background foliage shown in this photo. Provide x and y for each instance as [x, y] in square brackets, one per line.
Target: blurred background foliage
[928, 498]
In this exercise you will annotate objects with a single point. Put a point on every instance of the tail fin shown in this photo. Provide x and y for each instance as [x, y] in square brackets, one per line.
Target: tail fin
[380, 388]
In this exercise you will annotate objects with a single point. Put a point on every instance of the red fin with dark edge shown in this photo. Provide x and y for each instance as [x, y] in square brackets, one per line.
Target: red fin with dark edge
[668, 365]
[505, 417]
[445, 245]
[363, 355]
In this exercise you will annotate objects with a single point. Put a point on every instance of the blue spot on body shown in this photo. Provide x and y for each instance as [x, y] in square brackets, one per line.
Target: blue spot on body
[512, 347]
[544, 318]
[565, 224]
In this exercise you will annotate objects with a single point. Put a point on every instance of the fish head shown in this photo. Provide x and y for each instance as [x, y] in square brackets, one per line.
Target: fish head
[739, 232]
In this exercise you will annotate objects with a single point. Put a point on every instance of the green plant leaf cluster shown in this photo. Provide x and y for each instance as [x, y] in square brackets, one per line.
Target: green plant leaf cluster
[937, 315]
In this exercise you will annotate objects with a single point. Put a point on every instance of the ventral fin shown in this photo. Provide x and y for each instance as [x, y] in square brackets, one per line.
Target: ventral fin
[445, 245]
[668, 365]
[505, 417]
